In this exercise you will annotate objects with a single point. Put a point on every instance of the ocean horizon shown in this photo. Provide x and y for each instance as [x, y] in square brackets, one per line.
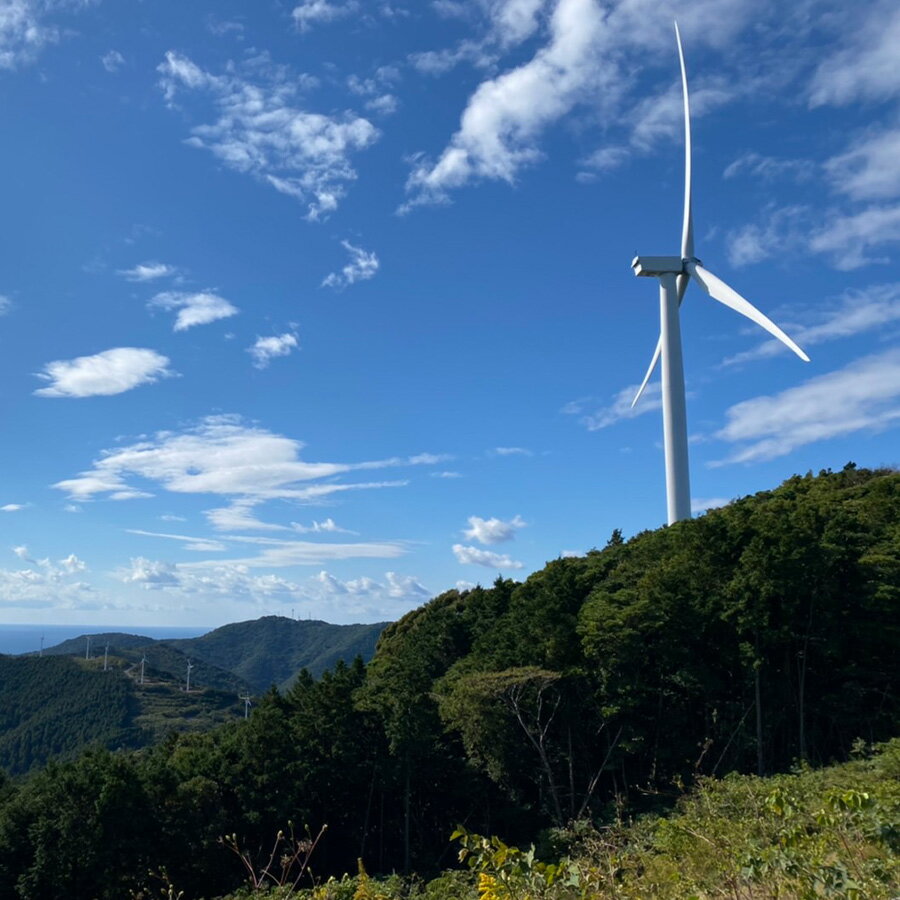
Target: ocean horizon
[16, 639]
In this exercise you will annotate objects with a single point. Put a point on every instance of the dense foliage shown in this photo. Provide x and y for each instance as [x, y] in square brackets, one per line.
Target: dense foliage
[757, 635]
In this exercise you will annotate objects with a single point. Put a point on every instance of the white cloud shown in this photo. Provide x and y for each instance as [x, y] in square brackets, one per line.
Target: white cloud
[865, 68]
[268, 348]
[238, 516]
[195, 544]
[72, 564]
[25, 29]
[780, 231]
[504, 117]
[112, 61]
[848, 239]
[222, 455]
[619, 409]
[5, 305]
[103, 374]
[770, 168]
[855, 313]
[261, 132]
[863, 396]
[13, 507]
[472, 556]
[194, 309]
[493, 531]
[362, 266]
[315, 12]
[511, 451]
[148, 271]
[868, 170]
[446, 475]
[149, 573]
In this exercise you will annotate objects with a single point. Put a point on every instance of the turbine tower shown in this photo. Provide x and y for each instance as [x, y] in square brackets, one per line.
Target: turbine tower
[187, 686]
[247, 704]
[674, 273]
[143, 663]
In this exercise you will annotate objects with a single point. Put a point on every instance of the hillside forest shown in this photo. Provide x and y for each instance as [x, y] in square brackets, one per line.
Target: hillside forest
[754, 639]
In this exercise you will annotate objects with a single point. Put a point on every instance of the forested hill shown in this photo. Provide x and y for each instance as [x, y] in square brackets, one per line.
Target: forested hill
[258, 653]
[746, 639]
[273, 649]
[55, 707]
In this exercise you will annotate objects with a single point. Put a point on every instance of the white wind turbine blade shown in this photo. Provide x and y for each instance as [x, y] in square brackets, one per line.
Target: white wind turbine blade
[718, 290]
[687, 228]
[681, 283]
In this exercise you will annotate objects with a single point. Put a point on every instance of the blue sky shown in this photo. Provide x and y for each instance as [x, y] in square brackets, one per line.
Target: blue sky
[326, 306]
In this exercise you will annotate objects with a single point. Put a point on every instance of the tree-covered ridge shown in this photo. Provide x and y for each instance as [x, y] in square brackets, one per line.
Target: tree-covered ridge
[273, 649]
[54, 707]
[243, 655]
[754, 636]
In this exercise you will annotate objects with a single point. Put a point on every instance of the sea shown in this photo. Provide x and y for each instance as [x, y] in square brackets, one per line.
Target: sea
[27, 638]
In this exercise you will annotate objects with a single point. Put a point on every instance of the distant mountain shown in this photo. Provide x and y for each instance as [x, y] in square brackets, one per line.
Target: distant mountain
[57, 704]
[273, 649]
[166, 660]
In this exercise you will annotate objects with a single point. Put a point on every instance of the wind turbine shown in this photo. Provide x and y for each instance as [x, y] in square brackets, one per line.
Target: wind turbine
[247, 704]
[187, 685]
[674, 273]
[143, 663]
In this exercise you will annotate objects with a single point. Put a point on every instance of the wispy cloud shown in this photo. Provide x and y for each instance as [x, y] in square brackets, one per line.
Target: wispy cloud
[868, 170]
[261, 131]
[493, 530]
[5, 305]
[13, 507]
[865, 68]
[855, 313]
[194, 309]
[112, 61]
[473, 556]
[850, 239]
[618, 410]
[148, 271]
[504, 117]
[222, 455]
[363, 265]
[770, 168]
[863, 396]
[26, 28]
[316, 12]
[103, 374]
[268, 348]
[512, 451]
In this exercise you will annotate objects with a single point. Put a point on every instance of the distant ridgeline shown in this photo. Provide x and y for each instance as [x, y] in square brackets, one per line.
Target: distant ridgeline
[60, 703]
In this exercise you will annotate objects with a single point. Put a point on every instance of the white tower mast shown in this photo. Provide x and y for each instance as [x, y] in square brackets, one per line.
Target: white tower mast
[87, 650]
[143, 663]
[246, 699]
[105, 658]
[187, 688]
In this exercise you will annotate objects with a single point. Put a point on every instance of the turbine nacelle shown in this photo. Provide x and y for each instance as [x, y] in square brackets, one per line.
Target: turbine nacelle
[654, 266]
